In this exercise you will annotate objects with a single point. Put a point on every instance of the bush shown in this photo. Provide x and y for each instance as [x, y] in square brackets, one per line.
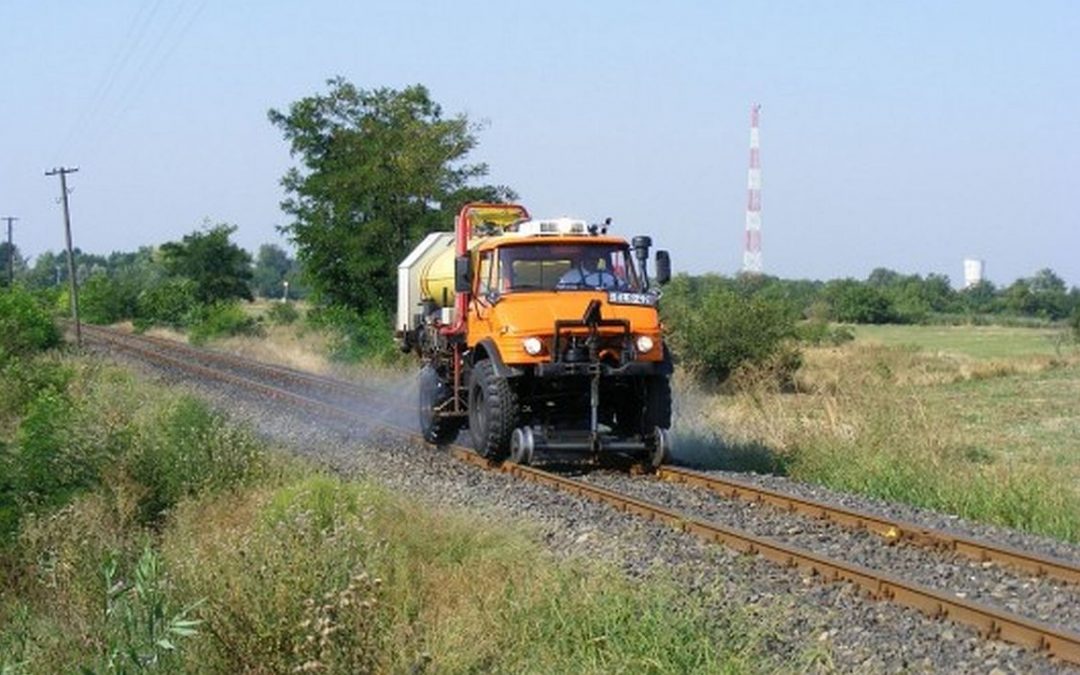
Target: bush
[25, 326]
[283, 313]
[355, 336]
[818, 332]
[716, 331]
[220, 320]
[186, 449]
[851, 301]
[168, 302]
[105, 300]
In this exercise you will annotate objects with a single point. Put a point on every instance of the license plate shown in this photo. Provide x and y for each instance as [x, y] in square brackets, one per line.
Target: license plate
[623, 298]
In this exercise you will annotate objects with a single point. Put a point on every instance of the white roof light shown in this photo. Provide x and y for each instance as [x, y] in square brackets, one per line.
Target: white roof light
[553, 226]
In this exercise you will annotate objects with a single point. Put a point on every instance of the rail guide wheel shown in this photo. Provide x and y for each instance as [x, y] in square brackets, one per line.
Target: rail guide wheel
[522, 446]
[660, 451]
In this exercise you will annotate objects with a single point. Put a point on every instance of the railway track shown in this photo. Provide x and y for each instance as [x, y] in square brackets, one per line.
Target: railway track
[992, 622]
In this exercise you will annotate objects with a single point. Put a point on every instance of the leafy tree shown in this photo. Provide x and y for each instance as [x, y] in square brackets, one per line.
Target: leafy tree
[18, 263]
[49, 270]
[219, 269]
[853, 302]
[274, 267]
[380, 169]
[980, 298]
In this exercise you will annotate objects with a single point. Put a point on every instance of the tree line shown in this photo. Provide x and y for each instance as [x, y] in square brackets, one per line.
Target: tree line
[377, 170]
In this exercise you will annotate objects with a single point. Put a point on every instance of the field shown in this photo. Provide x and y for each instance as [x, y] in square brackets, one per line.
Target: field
[983, 422]
[977, 342]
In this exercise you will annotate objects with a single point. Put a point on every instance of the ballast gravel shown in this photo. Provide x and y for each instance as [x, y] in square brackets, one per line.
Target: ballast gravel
[804, 624]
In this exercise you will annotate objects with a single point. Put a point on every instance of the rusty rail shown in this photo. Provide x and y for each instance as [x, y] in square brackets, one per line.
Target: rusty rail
[889, 528]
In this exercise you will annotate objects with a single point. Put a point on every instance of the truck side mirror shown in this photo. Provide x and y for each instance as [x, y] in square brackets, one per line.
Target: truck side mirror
[462, 274]
[663, 267]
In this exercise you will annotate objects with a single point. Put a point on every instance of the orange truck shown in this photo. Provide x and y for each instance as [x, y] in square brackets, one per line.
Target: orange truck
[541, 337]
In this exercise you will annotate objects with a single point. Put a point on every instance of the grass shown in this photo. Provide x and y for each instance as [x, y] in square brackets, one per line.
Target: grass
[986, 431]
[977, 342]
[186, 545]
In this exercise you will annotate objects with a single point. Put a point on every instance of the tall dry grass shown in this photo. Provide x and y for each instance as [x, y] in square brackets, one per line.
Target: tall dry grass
[868, 419]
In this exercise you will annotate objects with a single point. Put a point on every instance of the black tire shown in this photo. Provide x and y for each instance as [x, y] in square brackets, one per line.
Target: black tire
[433, 393]
[493, 411]
[657, 402]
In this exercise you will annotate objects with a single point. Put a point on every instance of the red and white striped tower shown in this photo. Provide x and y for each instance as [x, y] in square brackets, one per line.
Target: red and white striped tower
[752, 249]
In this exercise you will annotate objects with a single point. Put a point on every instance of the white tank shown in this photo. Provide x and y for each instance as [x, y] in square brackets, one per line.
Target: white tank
[973, 271]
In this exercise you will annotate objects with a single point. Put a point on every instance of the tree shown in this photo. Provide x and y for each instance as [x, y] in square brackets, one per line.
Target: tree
[853, 302]
[381, 169]
[219, 269]
[18, 263]
[272, 264]
[979, 298]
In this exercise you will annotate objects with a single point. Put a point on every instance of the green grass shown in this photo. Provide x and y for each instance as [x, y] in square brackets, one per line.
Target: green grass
[182, 544]
[979, 342]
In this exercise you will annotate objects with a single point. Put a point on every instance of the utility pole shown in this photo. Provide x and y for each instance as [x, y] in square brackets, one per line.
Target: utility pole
[63, 172]
[11, 251]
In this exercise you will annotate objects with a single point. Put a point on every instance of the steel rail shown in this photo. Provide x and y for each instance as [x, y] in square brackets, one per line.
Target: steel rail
[271, 370]
[891, 529]
[990, 622]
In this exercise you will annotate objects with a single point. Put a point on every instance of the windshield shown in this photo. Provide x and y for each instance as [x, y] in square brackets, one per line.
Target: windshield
[546, 267]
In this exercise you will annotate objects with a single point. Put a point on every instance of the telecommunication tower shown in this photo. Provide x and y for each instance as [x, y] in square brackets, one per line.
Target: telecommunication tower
[752, 248]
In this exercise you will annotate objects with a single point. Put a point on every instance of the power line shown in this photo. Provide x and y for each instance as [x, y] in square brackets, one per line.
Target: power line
[63, 172]
[126, 48]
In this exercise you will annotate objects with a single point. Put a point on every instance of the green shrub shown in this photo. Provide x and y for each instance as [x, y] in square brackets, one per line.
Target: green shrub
[105, 300]
[186, 449]
[168, 302]
[221, 319]
[818, 332]
[716, 331]
[283, 313]
[851, 301]
[25, 326]
[355, 336]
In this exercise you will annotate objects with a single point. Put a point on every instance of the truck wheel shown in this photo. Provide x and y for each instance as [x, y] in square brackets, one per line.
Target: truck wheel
[657, 402]
[433, 393]
[493, 411]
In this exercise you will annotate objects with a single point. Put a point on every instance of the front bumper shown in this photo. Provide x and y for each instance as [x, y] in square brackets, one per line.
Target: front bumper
[631, 369]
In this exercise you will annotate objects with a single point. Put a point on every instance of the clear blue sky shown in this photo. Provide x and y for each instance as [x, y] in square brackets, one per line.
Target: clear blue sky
[898, 134]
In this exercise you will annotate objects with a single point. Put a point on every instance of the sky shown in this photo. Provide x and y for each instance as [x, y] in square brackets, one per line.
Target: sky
[906, 135]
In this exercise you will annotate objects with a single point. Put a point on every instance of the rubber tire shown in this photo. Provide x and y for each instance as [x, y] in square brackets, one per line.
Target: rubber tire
[493, 411]
[433, 392]
[657, 402]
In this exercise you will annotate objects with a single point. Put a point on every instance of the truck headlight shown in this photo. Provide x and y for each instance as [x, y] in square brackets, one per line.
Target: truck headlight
[533, 346]
[644, 344]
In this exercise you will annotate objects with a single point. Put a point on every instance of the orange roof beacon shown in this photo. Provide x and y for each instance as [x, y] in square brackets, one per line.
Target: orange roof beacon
[539, 336]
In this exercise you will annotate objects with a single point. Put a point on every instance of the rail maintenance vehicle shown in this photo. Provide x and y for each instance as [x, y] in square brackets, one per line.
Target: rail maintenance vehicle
[541, 337]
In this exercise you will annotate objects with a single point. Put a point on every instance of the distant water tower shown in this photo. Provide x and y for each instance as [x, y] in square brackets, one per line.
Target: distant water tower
[973, 271]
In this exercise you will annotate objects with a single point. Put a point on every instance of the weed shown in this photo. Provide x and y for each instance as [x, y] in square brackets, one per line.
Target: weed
[140, 624]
